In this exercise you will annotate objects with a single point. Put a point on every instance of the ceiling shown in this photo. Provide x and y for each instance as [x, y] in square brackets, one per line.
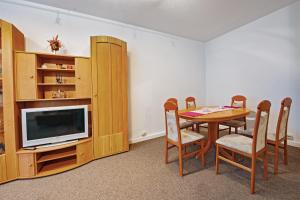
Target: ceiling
[200, 20]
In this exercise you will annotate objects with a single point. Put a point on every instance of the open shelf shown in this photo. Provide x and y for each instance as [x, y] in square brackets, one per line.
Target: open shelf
[52, 166]
[53, 99]
[62, 146]
[56, 70]
[56, 154]
[56, 84]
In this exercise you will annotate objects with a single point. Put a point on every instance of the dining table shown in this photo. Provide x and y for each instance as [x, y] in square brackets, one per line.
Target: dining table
[213, 115]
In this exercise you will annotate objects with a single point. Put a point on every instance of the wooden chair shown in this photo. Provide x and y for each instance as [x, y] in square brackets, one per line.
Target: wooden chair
[246, 146]
[238, 101]
[281, 132]
[180, 138]
[190, 102]
[183, 124]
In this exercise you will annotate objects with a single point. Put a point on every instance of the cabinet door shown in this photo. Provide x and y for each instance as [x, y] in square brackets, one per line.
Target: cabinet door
[2, 169]
[118, 99]
[26, 76]
[102, 101]
[83, 77]
[26, 165]
[109, 72]
[84, 152]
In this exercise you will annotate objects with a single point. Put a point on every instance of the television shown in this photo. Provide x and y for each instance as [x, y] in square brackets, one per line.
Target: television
[50, 125]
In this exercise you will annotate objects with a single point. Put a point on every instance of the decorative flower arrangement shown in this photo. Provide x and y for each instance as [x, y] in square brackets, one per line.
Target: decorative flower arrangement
[55, 44]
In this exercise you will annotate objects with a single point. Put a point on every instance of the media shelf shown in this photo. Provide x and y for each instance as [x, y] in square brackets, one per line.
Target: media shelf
[56, 154]
[50, 167]
[55, 159]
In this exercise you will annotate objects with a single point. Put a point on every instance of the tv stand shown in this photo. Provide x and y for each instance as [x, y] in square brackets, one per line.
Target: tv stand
[55, 144]
[47, 160]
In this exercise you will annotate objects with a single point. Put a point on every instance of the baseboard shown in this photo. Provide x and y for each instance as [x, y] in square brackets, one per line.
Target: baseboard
[294, 143]
[147, 137]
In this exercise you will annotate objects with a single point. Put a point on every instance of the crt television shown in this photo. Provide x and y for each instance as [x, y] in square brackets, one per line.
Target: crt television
[54, 124]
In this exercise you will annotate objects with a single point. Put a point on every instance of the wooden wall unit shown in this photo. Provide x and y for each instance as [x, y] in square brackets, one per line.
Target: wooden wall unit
[110, 98]
[100, 82]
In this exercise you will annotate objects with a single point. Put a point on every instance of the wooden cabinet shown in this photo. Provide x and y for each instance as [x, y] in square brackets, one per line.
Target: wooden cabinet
[11, 40]
[26, 76]
[110, 98]
[83, 75]
[48, 76]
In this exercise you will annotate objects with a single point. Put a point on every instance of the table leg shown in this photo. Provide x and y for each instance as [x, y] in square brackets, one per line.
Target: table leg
[213, 128]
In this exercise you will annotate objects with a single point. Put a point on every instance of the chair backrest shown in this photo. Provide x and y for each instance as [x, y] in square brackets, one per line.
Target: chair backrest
[261, 126]
[283, 118]
[173, 100]
[190, 102]
[172, 122]
[239, 101]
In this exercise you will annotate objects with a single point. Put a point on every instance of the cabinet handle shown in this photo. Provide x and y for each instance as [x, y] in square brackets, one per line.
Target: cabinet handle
[31, 77]
[79, 77]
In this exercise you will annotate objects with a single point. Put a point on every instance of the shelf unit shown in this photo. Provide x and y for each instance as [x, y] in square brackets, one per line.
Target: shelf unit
[50, 160]
[49, 76]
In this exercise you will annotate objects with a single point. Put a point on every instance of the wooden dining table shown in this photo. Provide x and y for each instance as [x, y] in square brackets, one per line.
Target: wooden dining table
[213, 120]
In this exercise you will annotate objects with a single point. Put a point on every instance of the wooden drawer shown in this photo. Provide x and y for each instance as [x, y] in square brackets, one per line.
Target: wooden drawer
[26, 165]
[2, 169]
[84, 152]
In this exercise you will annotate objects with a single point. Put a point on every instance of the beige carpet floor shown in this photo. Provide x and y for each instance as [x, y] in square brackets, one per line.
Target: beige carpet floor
[141, 174]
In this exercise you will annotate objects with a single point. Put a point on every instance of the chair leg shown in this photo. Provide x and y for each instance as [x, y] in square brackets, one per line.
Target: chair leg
[236, 130]
[233, 156]
[180, 161]
[285, 152]
[253, 170]
[217, 160]
[229, 130]
[266, 165]
[166, 152]
[276, 158]
[218, 132]
[202, 154]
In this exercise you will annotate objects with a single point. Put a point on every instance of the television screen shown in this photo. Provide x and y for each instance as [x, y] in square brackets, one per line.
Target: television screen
[53, 124]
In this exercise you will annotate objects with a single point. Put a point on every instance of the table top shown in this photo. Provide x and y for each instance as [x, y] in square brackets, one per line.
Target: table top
[216, 116]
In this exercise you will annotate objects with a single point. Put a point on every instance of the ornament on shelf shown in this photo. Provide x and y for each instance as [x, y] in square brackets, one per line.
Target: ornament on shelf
[55, 44]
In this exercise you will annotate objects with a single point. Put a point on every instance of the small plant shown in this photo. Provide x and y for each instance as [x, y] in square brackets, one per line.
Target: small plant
[55, 44]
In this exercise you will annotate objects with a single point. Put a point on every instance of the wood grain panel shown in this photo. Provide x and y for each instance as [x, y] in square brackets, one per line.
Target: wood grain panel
[2, 169]
[110, 112]
[83, 77]
[116, 89]
[103, 148]
[26, 165]
[84, 152]
[26, 76]
[116, 143]
[11, 40]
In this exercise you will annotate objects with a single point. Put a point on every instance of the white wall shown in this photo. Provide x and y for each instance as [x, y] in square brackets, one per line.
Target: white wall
[260, 60]
[160, 65]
